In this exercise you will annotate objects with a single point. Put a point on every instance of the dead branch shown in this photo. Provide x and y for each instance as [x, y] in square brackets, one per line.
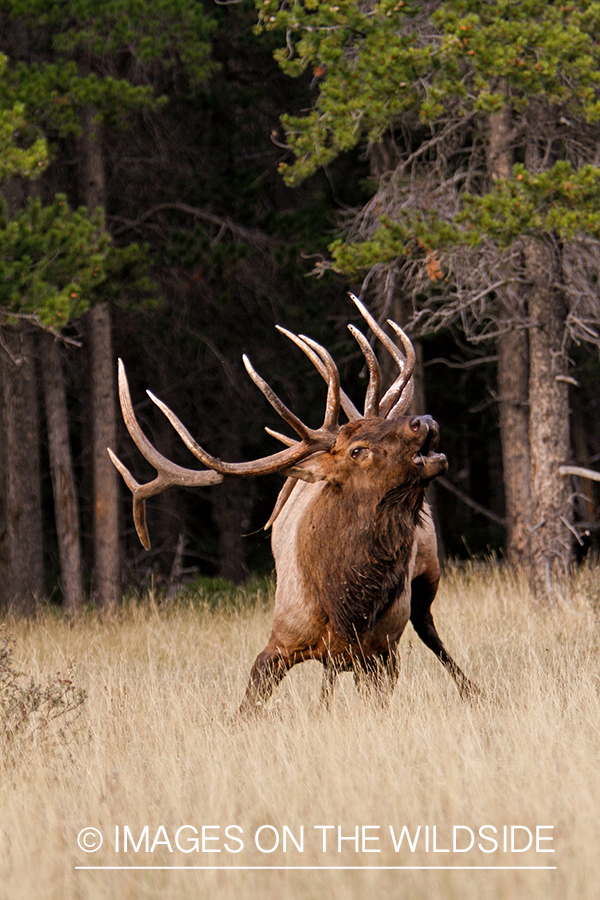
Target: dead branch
[578, 471]
[468, 501]
[224, 223]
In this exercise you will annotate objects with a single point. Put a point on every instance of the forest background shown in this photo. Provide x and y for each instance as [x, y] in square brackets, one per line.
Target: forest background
[179, 177]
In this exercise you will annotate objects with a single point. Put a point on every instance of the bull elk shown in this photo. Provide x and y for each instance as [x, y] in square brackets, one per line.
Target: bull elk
[353, 538]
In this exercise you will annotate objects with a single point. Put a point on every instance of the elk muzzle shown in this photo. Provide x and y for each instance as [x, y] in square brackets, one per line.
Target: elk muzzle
[427, 432]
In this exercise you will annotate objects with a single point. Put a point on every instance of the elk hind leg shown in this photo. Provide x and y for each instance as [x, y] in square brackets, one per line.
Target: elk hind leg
[423, 592]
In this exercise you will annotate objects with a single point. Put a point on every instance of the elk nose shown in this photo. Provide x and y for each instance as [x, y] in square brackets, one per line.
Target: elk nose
[418, 422]
[426, 425]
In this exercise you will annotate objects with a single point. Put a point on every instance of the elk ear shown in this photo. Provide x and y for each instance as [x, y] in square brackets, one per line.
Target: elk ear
[312, 469]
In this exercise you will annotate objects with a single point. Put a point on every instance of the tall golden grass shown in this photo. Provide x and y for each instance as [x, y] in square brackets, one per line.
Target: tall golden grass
[157, 744]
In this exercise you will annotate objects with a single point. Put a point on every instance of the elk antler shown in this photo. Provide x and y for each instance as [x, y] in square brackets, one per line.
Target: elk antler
[170, 474]
[393, 403]
[373, 393]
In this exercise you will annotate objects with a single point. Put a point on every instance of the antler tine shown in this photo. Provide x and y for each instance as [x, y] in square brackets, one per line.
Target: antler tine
[282, 499]
[402, 397]
[374, 389]
[345, 401]
[394, 392]
[409, 350]
[169, 474]
[403, 402]
[378, 331]
[140, 495]
[288, 441]
[332, 409]
[272, 463]
[286, 414]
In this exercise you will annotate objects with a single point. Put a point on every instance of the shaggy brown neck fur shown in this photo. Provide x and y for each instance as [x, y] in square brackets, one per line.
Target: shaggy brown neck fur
[355, 557]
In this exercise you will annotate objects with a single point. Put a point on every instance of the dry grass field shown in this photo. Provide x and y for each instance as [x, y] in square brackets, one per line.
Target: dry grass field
[156, 744]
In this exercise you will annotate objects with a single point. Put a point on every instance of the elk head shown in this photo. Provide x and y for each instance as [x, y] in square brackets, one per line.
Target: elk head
[387, 453]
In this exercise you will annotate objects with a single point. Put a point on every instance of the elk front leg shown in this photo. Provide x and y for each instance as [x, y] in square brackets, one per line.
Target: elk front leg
[327, 685]
[423, 592]
[269, 668]
[378, 673]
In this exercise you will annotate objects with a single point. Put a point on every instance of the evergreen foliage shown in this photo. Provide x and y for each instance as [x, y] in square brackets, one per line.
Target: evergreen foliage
[375, 64]
[421, 71]
[482, 120]
[51, 259]
[50, 256]
[560, 200]
[25, 161]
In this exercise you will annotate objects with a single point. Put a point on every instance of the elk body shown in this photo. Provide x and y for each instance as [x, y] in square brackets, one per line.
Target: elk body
[353, 538]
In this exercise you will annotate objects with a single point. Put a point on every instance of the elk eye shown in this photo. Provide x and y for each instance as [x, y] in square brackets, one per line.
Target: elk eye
[415, 425]
[359, 452]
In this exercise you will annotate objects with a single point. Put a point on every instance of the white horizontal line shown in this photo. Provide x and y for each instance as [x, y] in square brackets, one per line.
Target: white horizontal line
[324, 868]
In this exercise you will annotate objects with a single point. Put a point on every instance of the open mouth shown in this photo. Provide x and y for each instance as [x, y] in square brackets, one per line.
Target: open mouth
[426, 457]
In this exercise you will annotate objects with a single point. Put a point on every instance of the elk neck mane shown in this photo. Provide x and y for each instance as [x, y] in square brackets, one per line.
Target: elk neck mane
[354, 553]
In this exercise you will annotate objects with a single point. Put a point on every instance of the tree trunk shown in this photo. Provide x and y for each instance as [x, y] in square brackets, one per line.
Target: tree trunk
[513, 375]
[21, 532]
[92, 188]
[107, 568]
[66, 506]
[513, 391]
[585, 496]
[551, 537]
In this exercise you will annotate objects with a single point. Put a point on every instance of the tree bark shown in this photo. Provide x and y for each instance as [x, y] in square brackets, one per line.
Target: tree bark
[21, 532]
[512, 347]
[66, 506]
[551, 538]
[107, 567]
